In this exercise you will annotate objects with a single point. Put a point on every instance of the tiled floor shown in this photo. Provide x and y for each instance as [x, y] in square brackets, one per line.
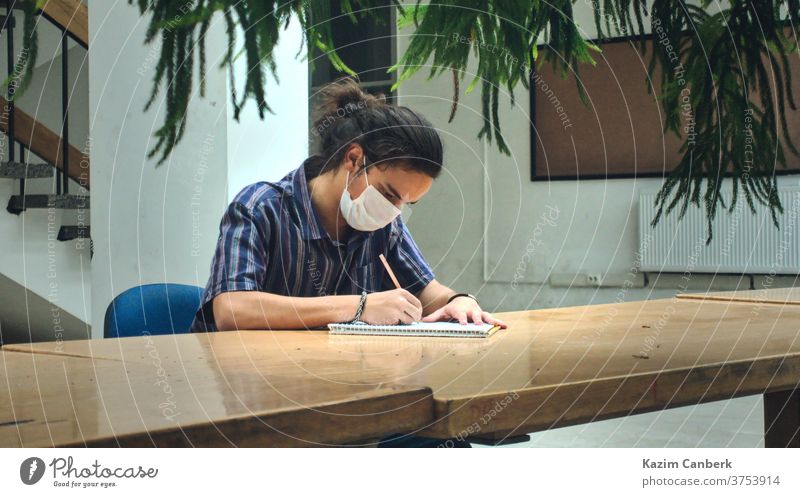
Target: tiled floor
[730, 423]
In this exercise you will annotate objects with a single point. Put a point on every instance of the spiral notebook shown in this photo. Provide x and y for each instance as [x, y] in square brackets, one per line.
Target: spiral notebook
[416, 329]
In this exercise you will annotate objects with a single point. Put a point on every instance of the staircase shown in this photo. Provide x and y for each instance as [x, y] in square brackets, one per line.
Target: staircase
[44, 177]
[61, 160]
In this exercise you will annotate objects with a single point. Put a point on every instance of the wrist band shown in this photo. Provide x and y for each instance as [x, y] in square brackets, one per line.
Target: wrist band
[360, 310]
[463, 295]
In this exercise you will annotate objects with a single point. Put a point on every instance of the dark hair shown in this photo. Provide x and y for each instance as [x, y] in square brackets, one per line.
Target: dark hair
[387, 133]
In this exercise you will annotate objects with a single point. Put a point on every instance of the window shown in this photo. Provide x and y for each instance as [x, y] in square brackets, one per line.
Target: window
[367, 47]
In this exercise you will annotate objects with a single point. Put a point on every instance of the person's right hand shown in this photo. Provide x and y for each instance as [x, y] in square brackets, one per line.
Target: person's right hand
[391, 307]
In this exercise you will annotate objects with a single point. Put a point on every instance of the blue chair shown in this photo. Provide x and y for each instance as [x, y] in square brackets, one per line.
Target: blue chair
[158, 309]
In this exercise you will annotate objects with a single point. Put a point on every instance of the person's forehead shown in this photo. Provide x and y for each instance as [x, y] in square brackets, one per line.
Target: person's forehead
[407, 183]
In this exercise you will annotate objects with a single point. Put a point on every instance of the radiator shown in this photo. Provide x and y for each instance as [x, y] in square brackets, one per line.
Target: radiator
[743, 242]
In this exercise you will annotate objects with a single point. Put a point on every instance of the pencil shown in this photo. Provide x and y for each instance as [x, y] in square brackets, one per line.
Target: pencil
[389, 270]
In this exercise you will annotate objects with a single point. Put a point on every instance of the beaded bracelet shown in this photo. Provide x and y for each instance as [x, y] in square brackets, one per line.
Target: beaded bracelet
[361, 304]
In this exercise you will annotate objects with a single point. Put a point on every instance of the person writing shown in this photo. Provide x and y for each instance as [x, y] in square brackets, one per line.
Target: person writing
[304, 251]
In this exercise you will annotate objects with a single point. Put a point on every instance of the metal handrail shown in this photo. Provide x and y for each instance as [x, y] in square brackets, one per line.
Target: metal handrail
[62, 174]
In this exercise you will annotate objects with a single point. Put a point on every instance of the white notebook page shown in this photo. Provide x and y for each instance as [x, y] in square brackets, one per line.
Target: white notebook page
[416, 329]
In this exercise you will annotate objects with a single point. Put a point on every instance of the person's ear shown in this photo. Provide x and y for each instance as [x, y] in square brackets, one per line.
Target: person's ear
[354, 158]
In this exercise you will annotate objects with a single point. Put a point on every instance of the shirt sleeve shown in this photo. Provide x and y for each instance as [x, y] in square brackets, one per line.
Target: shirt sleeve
[407, 262]
[240, 259]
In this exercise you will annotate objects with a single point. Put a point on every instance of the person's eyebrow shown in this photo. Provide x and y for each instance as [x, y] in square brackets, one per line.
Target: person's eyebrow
[396, 195]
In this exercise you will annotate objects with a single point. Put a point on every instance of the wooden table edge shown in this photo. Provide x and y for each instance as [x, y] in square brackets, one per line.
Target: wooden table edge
[263, 429]
[734, 299]
[453, 420]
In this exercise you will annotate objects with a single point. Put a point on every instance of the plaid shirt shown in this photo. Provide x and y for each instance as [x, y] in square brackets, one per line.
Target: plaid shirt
[272, 240]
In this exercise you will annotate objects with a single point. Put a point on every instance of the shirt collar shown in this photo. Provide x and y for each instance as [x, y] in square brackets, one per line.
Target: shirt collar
[396, 226]
[310, 223]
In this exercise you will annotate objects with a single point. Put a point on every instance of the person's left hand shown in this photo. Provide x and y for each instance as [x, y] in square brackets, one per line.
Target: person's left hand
[463, 310]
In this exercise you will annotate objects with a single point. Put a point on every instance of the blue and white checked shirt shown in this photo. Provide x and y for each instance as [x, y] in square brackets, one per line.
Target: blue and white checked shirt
[272, 240]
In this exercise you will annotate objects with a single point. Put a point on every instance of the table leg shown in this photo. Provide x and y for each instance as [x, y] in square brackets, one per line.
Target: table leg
[782, 419]
[495, 441]
[371, 443]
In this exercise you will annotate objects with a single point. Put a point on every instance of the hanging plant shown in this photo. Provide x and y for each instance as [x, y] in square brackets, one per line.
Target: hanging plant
[735, 68]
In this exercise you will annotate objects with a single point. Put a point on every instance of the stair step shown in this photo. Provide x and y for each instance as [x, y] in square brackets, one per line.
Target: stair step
[66, 233]
[18, 203]
[23, 170]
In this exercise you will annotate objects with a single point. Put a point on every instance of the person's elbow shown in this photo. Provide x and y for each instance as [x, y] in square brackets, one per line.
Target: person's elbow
[226, 316]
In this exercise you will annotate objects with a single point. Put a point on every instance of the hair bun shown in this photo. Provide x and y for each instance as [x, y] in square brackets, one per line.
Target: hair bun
[346, 91]
[342, 97]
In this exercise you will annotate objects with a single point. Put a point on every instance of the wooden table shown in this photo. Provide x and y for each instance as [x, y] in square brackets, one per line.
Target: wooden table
[777, 402]
[789, 296]
[61, 400]
[552, 368]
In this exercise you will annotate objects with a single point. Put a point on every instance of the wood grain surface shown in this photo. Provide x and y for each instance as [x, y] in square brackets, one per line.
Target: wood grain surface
[551, 368]
[59, 400]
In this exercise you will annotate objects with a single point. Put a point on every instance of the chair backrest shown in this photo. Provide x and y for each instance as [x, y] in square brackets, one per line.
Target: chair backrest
[158, 309]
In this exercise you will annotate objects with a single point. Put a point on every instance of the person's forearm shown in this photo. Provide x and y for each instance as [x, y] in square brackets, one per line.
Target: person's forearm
[261, 310]
[434, 296]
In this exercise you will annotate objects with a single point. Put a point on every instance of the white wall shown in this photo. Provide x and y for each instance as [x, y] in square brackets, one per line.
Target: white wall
[160, 223]
[35, 260]
[267, 150]
[149, 224]
[481, 225]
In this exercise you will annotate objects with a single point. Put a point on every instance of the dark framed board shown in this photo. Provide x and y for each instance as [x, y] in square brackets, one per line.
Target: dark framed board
[620, 133]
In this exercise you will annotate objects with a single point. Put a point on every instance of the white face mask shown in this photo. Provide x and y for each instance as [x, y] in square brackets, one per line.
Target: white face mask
[370, 211]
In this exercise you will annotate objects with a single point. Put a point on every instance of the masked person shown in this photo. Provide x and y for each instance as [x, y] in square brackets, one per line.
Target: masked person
[304, 251]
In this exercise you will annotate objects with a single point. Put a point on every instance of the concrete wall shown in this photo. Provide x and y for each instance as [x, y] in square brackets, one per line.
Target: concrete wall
[486, 228]
[26, 316]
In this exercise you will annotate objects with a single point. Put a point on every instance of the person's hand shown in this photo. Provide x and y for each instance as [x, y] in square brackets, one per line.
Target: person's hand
[463, 310]
[391, 307]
